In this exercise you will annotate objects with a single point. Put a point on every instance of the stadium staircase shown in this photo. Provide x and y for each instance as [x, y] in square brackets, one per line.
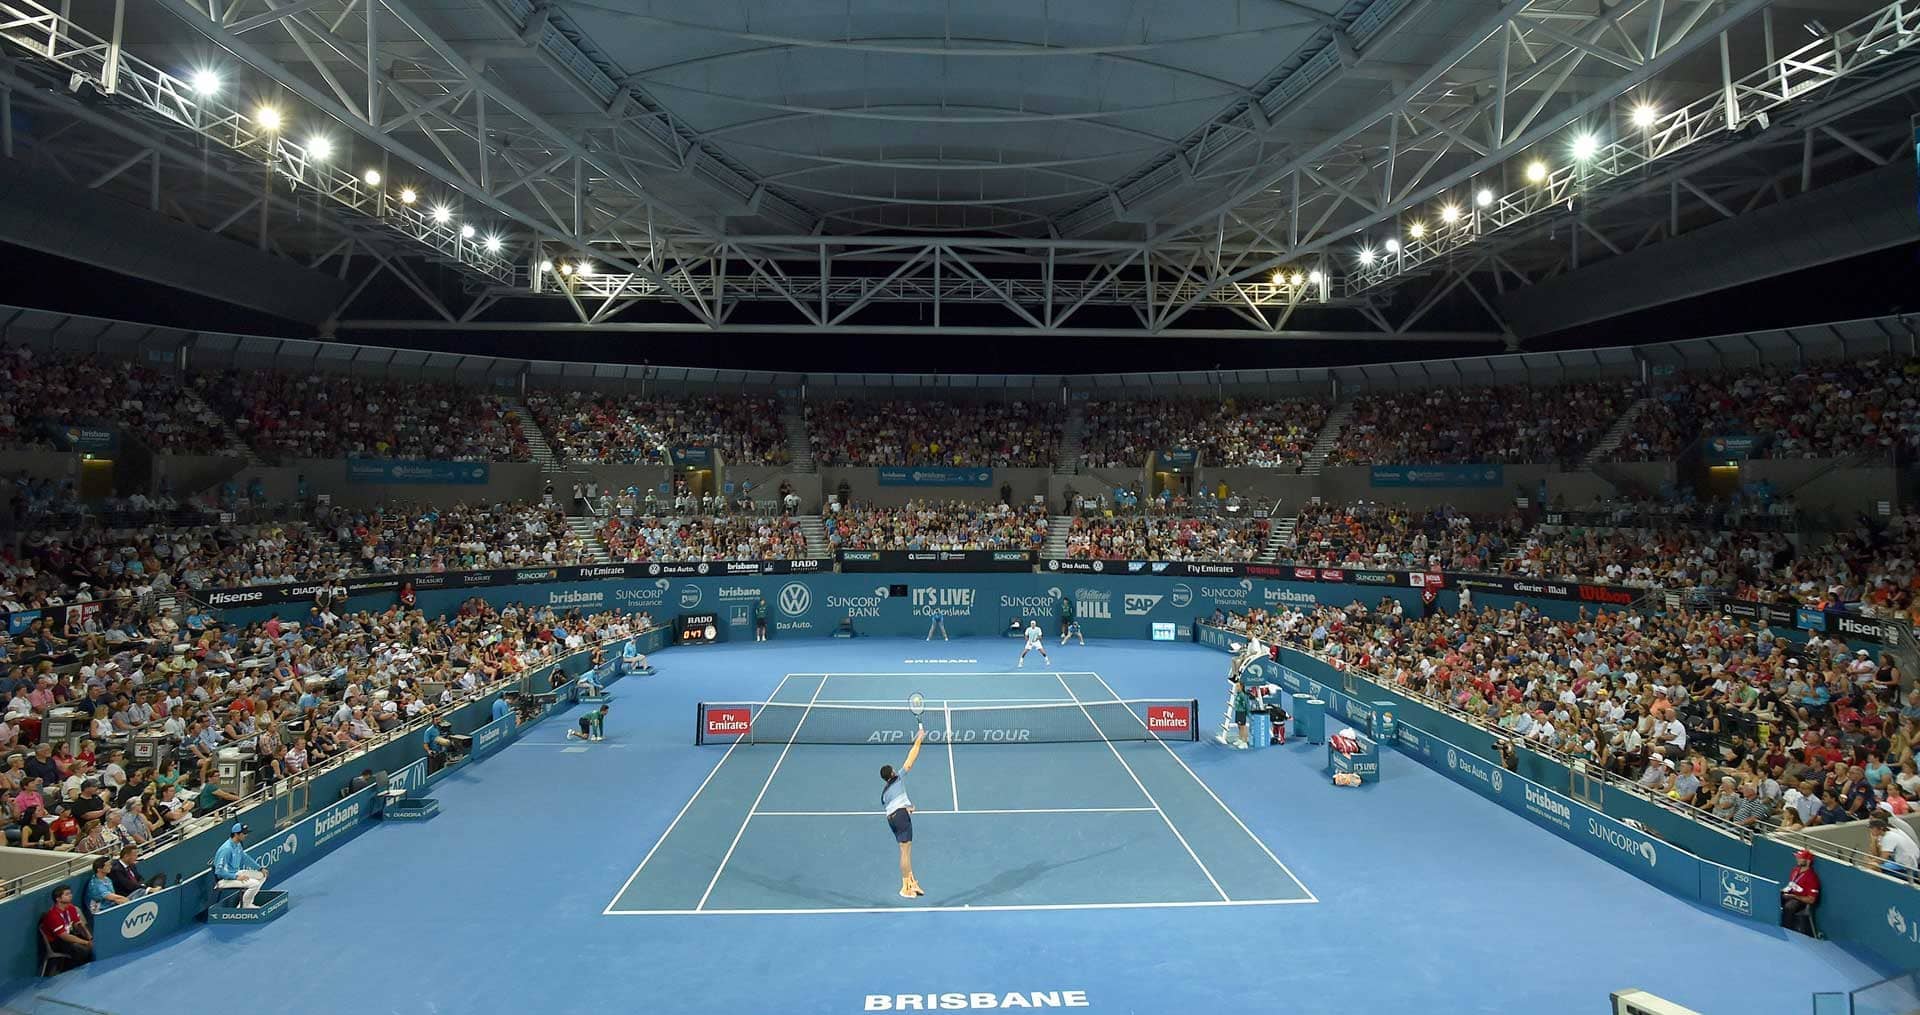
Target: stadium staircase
[1279, 537]
[1616, 434]
[1056, 545]
[816, 532]
[542, 451]
[799, 445]
[1329, 438]
[586, 528]
[1066, 456]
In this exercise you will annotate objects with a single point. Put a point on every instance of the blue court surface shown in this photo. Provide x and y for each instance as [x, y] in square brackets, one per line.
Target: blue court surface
[1117, 872]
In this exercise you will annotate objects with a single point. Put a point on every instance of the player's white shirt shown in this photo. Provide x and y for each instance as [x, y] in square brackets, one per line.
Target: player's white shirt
[1033, 635]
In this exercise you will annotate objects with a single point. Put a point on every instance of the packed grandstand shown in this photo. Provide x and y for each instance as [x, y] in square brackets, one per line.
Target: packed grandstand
[1701, 702]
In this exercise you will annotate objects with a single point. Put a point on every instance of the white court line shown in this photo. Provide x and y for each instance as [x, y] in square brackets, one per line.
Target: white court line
[1149, 796]
[683, 813]
[988, 701]
[1216, 797]
[1057, 907]
[744, 822]
[951, 673]
[919, 811]
[953, 775]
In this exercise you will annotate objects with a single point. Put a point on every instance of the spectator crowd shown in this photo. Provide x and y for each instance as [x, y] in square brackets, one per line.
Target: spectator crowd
[1711, 713]
[649, 537]
[1021, 435]
[593, 428]
[42, 392]
[1397, 536]
[299, 695]
[1263, 433]
[935, 525]
[1157, 536]
[1820, 410]
[292, 415]
[1505, 423]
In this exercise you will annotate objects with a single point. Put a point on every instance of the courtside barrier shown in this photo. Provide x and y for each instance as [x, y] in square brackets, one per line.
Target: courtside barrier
[1662, 864]
[292, 843]
[1860, 909]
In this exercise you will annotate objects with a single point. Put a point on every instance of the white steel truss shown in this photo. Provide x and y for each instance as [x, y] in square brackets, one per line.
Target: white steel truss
[579, 220]
[1878, 39]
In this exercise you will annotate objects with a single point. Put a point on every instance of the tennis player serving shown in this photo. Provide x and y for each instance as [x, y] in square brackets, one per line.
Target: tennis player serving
[899, 811]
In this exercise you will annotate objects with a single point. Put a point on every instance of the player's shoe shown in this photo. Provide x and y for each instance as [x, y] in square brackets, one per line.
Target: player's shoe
[1239, 745]
[906, 893]
[1020, 664]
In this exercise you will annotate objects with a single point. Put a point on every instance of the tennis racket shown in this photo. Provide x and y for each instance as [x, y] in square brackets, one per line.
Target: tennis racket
[916, 703]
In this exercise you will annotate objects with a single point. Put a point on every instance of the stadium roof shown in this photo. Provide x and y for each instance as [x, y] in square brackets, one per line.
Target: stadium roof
[1254, 168]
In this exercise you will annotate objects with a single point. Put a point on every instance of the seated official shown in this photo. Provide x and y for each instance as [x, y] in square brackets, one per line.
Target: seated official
[1800, 895]
[101, 893]
[501, 709]
[124, 872]
[66, 929]
[234, 867]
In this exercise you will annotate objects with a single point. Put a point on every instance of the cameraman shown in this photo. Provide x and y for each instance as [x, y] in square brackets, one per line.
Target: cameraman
[439, 744]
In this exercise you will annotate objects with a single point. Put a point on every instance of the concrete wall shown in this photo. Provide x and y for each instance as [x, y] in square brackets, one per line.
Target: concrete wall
[40, 464]
[1816, 488]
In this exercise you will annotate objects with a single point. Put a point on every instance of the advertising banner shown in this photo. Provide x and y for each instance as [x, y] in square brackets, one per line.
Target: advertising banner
[150, 918]
[979, 561]
[390, 471]
[1178, 458]
[932, 475]
[1438, 475]
[84, 440]
[311, 838]
[1734, 445]
[693, 456]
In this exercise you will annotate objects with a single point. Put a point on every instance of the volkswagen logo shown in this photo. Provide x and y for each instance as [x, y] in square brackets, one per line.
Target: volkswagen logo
[1498, 780]
[795, 598]
[1453, 759]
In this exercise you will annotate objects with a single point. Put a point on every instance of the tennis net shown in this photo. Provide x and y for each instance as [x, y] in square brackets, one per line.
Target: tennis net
[781, 722]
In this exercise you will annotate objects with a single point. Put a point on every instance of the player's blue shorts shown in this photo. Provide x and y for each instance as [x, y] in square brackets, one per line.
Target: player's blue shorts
[901, 821]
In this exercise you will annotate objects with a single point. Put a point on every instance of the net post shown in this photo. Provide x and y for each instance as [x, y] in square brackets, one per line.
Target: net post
[699, 727]
[1193, 728]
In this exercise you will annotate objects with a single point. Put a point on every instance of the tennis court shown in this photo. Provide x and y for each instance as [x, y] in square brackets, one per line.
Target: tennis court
[1035, 791]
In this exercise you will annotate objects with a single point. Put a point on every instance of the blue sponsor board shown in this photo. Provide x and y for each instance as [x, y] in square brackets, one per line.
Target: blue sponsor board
[19, 620]
[149, 918]
[1178, 458]
[86, 440]
[933, 475]
[386, 470]
[1809, 620]
[693, 456]
[306, 841]
[1438, 475]
[1734, 445]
